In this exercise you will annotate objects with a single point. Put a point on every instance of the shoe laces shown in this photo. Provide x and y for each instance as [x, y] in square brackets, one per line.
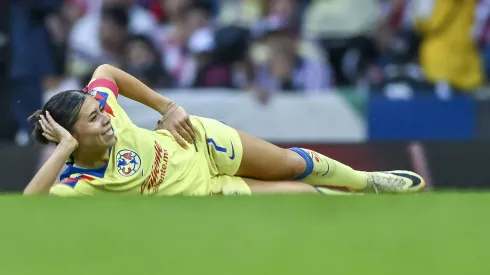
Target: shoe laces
[381, 180]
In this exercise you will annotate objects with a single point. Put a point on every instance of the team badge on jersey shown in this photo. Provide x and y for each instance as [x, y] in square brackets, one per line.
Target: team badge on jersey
[128, 162]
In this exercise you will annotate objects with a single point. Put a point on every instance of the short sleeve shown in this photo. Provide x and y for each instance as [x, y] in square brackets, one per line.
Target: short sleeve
[63, 190]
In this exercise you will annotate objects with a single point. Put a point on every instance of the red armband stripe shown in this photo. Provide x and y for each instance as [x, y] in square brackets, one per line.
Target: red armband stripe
[105, 83]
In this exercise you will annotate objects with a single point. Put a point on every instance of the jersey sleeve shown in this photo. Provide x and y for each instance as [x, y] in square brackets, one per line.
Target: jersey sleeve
[106, 93]
[75, 185]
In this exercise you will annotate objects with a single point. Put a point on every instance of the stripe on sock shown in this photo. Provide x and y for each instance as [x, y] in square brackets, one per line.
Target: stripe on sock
[308, 160]
[319, 190]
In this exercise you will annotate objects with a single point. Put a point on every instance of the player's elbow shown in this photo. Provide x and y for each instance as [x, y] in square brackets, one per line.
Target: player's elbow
[104, 68]
[104, 71]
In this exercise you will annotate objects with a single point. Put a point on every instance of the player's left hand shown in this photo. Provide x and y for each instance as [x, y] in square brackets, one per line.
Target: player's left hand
[176, 120]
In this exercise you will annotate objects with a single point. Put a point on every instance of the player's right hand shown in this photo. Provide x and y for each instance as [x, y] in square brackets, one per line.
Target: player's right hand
[178, 123]
[55, 132]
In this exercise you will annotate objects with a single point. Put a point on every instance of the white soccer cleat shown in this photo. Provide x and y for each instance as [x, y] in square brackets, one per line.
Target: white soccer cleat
[395, 182]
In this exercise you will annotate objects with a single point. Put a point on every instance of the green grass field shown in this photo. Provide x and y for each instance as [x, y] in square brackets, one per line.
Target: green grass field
[422, 234]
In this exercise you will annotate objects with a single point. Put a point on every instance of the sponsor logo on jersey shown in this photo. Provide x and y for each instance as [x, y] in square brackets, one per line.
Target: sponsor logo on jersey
[158, 171]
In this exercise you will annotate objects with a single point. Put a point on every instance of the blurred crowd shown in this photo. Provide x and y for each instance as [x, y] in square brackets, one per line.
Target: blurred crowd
[261, 46]
[266, 45]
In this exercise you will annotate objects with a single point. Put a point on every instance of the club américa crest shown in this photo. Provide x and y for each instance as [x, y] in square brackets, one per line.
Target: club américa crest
[128, 162]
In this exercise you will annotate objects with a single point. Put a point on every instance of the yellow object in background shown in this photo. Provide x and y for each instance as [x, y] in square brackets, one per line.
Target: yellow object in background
[448, 52]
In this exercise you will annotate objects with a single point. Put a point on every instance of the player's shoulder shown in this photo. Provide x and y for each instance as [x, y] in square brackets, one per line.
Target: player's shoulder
[76, 181]
[101, 87]
[73, 179]
[71, 185]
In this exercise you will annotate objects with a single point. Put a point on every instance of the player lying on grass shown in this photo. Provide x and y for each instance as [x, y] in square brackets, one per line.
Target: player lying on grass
[190, 156]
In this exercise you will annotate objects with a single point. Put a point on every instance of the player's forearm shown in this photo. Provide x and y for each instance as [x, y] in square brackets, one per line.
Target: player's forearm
[130, 87]
[46, 176]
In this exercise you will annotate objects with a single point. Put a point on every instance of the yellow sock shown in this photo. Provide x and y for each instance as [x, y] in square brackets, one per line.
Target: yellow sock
[321, 170]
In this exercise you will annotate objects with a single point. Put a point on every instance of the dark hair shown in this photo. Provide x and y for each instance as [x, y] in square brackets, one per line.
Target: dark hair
[64, 108]
[232, 43]
[117, 14]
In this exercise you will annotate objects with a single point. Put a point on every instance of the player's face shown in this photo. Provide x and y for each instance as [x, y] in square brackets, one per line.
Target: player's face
[93, 128]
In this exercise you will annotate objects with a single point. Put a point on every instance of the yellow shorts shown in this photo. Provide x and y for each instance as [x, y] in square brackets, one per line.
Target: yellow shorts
[223, 152]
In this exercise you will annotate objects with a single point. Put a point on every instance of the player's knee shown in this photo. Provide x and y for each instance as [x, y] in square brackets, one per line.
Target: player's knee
[295, 164]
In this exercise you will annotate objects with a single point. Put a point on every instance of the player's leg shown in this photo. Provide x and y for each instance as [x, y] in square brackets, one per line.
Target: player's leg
[233, 185]
[260, 187]
[236, 153]
[278, 187]
[265, 161]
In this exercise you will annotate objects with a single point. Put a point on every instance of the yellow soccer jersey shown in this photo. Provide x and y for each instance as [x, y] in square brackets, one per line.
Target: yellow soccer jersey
[141, 162]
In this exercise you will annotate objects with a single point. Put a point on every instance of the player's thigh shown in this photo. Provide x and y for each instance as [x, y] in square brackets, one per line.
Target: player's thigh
[236, 153]
[222, 146]
[266, 161]
[258, 187]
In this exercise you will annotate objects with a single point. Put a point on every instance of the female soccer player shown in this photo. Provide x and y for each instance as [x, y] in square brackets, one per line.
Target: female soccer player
[197, 156]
